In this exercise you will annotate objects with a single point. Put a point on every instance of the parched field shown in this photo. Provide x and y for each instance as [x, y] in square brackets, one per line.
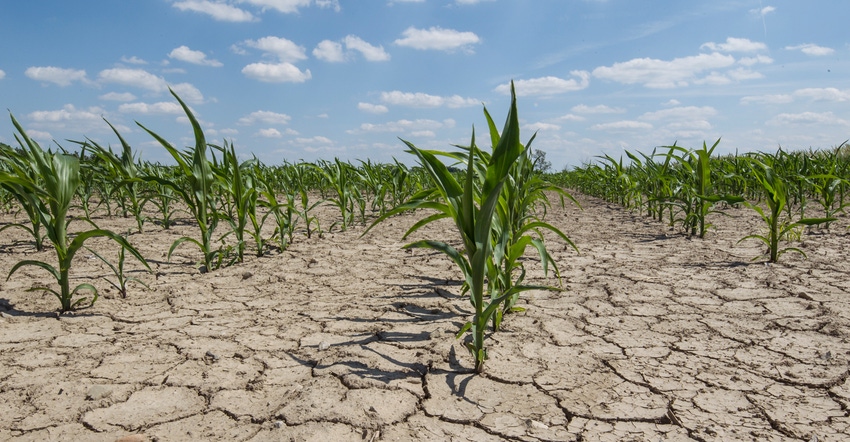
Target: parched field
[656, 337]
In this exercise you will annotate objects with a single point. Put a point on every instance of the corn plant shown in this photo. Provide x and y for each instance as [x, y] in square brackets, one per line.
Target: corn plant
[340, 177]
[194, 166]
[471, 202]
[241, 198]
[775, 194]
[694, 193]
[124, 171]
[284, 213]
[121, 278]
[53, 182]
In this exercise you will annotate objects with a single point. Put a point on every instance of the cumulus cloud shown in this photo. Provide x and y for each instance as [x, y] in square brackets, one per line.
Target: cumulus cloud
[761, 12]
[284, 6]
[276, 73]
[371, 53]
[133, 77]
[547, 86]
[419, 99]
[598, 109]
[372, 108]
[163, 107]
[2, 74]
[133, 60]
[663, 74]
[815, 94]
[183, 53]
[269, 133]
[265, 117]
[807, 119]
[285, 50]
[811, 49]
[118, 96]
[534, 127]
[402, 126]
[622, 125]
[823, 94]
[735, 45]
[55, 75]
[681, 113]
[78, 120]
[217, 10]
[436, 38]
[332, 51]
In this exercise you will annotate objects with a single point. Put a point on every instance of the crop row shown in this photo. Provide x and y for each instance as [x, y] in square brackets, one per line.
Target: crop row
[683, 187]
[493, 196]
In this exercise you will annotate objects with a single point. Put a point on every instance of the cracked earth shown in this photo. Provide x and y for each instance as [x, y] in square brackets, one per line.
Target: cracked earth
[656, 337]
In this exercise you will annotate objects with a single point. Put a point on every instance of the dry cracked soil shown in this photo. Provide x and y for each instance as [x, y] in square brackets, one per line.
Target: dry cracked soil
[655, 337]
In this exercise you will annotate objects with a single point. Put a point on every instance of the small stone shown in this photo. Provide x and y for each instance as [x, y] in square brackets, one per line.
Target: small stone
[211, 355]
[279, 424]
[246, 275]
[324, 345]
[826, 356]
[537, 425]
[97, 392]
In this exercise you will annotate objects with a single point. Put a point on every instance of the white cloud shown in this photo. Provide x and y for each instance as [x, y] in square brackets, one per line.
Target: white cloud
[269, 133]
[116, 96]
[52, 74]
[133, 77]
[133, 60]
[768, 99]
[763, 11]
[330, 51]
[541, 126]
[436, 38]
[162, 107]
[680, 113]
[735, 45]
[622, 125]
[328, 4]
[276, 73]
[824, 94]
[571, 117]
[2, 74]
[314, 141]
[68, 114]
[807, 118]
[598, 109]
[188, 93]
[285, 50]
[662, 74]
[217, 10]
[758, 59]
[419, 99]
[471, 2]
[811, 49]
[402, 126]
[672, 102]
[816, 94]
[183, 53]
[371, 53]
[284, 6]
[372, 108]
[266, 117]
[546, 86]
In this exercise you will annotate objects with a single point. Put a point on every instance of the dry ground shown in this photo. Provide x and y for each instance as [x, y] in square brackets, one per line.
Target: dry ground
[656, 337]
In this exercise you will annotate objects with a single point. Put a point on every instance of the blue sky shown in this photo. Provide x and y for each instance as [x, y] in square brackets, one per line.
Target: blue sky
[309, 79]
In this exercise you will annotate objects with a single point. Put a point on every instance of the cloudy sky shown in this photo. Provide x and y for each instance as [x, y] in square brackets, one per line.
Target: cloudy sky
[309, 79]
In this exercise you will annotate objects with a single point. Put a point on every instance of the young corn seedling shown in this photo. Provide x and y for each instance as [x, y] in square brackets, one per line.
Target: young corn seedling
[775, 193]
[471, 205]
[54, 182]
[121, 278]
[195, 168]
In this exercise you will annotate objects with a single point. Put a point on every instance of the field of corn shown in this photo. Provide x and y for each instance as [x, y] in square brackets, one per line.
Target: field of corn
[672, 295]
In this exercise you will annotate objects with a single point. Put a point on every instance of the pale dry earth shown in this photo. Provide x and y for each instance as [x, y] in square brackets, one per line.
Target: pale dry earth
[656, 337]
